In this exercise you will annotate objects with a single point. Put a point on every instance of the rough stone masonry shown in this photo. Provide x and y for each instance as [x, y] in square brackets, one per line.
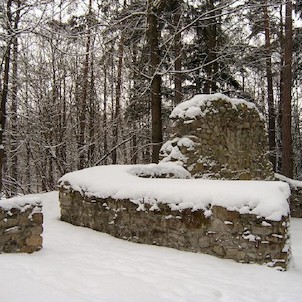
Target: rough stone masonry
[217, 137]
[20, 225]
[227, 234]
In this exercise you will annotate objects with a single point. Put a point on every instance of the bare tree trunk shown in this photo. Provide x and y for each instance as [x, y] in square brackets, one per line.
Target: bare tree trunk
[4, 94]
[28, 168]
[49, 134]
[112, 98]
[42, 173]
[281, 84]
[134, 149]
[135, 124]
[287, 165]
[91, 149]
[105, 142]
[28, 175]
[211, 36]
[118, 91]
[14, 114]
[178, 60]
[63, 126]
[83, 105]
[156, 115]
[270, 94]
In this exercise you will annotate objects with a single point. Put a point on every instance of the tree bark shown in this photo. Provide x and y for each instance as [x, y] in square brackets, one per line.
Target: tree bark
[156, 116]
[281, 85]
[105, 143]
[287, 165]
[211, 67]
[178, 60]
[14, 106]
[270, 94]
[4, 94]
[117, 115]
[83, 105]
[92, 111]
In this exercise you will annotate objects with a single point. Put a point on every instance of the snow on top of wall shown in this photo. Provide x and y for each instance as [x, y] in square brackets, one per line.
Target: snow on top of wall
[20, 202]
[267, 199]
[159, 170]
[192, 108]
[171, 150]
[292, 182]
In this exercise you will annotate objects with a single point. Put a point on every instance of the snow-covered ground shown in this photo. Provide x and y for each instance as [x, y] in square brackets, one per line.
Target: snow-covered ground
[81, 265]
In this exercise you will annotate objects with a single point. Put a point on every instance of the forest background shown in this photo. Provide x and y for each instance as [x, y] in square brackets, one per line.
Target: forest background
[92, 82]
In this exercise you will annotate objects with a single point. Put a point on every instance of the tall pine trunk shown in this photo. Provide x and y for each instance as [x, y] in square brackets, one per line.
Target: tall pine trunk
[177, 52]
[270, 94]
[156, 116]
[84, 94]
[281, 84]
[287, 164]
[211, 67]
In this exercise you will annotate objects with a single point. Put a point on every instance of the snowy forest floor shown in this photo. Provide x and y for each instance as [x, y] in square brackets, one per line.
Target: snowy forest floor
[81, 265]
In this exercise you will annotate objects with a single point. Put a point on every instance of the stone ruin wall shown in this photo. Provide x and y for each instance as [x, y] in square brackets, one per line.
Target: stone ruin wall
[296, 202]
[225, 141]
[226, 234]
[21, 229]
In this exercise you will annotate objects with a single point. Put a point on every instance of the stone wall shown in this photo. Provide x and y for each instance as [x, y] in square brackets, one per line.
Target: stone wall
[213, 137]
[295, 201]
[216, 137]
[226, 234]
[20, 227]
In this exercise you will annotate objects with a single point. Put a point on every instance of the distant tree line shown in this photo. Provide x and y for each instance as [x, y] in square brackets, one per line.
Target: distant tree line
[92, 82]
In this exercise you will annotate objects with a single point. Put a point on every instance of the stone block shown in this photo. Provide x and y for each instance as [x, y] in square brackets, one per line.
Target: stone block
[13, 230]
[37, 218]
[235, 253]
[218, 226]
[34, 240]
[37, 230]
[262, 230]
[204, 242]
[193, 219]
[219, 250]
[9, 222]
[225, 215]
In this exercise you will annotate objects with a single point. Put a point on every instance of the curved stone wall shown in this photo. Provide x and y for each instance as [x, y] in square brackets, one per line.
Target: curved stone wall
[227, 234]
